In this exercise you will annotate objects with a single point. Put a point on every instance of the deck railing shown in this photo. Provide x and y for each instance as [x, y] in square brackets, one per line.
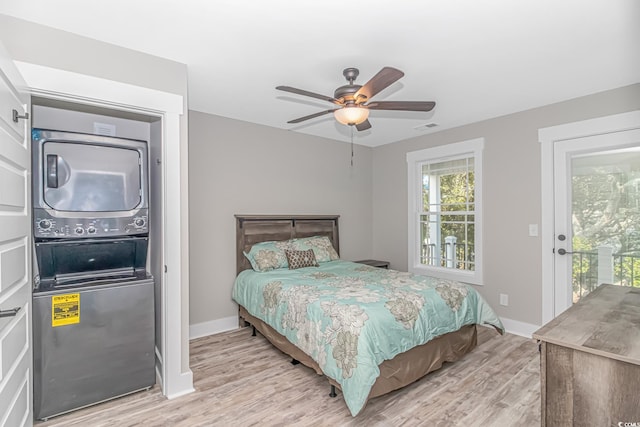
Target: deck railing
[591, 268]
[450, 255]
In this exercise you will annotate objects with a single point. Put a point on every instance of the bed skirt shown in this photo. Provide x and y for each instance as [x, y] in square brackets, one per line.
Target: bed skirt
[403, 369]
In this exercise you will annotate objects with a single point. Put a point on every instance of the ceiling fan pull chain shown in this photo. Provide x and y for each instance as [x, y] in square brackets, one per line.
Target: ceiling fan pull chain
[351, 144]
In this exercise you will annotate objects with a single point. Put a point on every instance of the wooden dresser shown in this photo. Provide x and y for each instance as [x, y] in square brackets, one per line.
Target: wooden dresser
[590, 361]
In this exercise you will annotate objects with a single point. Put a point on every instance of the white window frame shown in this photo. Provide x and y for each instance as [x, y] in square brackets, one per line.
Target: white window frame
[415, 159]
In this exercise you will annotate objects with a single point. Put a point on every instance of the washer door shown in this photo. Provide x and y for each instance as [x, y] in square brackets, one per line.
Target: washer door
[91, 178]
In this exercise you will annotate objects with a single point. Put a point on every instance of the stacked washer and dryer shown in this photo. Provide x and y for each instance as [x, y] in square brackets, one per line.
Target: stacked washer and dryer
[93, 297]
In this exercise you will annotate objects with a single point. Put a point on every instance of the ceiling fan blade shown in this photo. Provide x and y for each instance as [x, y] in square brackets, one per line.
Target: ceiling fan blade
[385, 78]
[402, 105]
[312, 116]
[307, 93]
[363, 126]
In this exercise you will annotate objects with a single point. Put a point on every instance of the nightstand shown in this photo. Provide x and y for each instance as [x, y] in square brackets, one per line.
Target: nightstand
[374, 263]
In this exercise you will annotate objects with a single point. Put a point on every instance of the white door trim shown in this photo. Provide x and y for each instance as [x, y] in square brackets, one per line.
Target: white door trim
[68, 85]
[547, 137]
[65, 85]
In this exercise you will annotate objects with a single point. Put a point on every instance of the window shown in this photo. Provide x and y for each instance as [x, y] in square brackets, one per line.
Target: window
[445, 211]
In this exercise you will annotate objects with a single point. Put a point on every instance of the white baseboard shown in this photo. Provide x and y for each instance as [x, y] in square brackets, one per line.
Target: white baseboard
[158, 377]
[184, 385]
[519, 328]
[180, 385]
[211, 327]
[159, 362]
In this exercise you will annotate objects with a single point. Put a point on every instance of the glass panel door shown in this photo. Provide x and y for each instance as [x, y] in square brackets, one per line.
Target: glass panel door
[597, 214]
[605, 216]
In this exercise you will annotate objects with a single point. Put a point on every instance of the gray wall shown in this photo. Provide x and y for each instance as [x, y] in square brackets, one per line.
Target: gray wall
[512, 195]
[237, 167]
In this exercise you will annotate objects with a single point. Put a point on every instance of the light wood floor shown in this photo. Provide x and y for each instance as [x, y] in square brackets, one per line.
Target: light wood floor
[242, 380]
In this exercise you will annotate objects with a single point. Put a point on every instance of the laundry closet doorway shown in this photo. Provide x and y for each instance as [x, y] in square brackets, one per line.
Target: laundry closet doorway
[153, 116]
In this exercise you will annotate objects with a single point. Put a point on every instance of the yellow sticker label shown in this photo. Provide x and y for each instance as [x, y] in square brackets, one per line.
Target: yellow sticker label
[65, 309]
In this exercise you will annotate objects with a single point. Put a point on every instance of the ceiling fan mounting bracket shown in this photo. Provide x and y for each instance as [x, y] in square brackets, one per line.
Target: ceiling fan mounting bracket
[350, 74]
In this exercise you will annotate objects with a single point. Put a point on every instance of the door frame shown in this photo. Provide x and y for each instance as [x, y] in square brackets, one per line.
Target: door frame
[175, 376]
[547, 138]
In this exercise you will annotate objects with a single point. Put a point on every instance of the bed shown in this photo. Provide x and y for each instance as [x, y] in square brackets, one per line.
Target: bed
[368, 330]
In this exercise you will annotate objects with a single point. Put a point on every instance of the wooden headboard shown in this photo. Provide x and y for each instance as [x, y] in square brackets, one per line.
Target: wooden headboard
[252, 229]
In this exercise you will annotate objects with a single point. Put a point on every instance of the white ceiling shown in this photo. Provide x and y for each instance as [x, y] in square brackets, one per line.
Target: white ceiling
[476, 59]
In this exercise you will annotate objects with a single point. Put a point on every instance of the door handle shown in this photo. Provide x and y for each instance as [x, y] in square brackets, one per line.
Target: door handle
[17, 116]
[9, 313]
[563, 252]
[52, 171]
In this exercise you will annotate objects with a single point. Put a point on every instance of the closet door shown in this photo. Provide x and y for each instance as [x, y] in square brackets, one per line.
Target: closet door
[15, 243]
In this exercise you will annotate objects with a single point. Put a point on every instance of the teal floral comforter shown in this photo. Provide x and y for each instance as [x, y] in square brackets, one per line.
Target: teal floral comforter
[350, 317]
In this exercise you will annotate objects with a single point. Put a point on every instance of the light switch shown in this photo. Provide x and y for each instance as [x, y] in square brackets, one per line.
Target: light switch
[533, 230]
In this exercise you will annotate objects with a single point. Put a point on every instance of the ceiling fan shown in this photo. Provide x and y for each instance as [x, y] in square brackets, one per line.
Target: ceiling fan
[354, 101]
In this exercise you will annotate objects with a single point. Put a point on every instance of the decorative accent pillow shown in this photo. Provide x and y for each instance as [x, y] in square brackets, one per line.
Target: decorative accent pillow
[299, 259]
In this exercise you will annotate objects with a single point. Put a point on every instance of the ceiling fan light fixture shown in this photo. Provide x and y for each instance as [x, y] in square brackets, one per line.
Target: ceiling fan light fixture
[353, 100]
[351, 115]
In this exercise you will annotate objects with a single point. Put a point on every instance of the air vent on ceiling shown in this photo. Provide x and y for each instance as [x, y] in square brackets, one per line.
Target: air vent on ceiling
[426, 126]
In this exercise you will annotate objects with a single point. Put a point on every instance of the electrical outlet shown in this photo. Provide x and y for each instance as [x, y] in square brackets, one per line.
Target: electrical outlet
[504, 299]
